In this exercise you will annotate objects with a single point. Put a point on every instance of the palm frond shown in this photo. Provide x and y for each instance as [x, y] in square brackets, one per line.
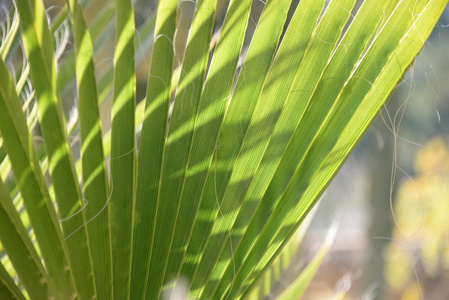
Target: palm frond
[209, 177]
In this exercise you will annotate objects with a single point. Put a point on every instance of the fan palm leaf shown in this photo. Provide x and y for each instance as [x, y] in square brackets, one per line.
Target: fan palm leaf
[209, 176]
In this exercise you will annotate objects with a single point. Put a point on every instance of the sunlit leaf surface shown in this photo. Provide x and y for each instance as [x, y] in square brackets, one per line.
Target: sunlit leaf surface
[207, 174]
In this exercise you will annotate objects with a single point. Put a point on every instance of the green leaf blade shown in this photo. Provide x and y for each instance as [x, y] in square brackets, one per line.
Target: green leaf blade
[298, 287]
[38, 44]
[17, 143]
[8, 289]
[123, 151]
[94, 174]
[154, 127]
[18, 246]
[193, 71]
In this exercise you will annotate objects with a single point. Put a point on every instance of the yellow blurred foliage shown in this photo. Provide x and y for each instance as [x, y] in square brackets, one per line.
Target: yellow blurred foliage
[422, 216]
[411, 293]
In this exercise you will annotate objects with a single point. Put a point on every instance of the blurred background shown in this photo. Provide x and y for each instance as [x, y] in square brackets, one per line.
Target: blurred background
[391, 198]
